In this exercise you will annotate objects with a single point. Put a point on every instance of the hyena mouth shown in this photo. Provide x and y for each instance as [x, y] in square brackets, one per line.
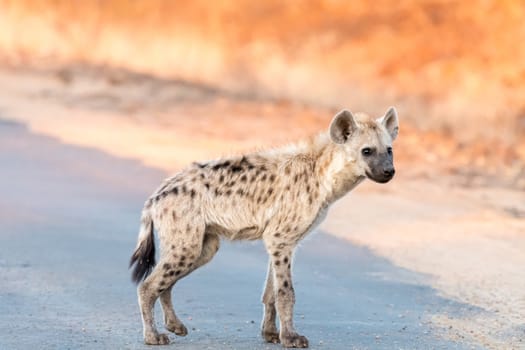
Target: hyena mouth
[380, 179]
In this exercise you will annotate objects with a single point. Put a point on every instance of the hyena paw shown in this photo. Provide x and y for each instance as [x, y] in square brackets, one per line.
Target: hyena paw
[294, 341]
[177, 328]
[156, 339]
[271, 336]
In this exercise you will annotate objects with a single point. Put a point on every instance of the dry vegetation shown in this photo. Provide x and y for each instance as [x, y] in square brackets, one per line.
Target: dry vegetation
[455, 69]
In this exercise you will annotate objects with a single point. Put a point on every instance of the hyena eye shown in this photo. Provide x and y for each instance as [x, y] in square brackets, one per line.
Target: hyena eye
[389, 150]
[366, 151]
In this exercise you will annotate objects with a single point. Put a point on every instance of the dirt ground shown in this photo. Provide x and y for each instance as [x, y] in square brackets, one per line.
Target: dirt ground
[462, 227]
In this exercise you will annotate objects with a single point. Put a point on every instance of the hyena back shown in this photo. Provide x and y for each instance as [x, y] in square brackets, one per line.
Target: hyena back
[277, 196]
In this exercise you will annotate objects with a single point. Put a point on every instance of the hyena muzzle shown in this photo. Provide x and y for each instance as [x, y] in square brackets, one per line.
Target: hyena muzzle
[277, 195]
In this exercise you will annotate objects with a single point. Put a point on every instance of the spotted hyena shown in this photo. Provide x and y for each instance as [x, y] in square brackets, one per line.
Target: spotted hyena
[277, 195]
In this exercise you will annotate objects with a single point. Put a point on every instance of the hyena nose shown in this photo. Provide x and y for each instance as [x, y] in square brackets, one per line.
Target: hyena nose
[389, 172]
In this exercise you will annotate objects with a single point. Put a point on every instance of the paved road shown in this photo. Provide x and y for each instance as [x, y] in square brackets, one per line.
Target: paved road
[69, 219]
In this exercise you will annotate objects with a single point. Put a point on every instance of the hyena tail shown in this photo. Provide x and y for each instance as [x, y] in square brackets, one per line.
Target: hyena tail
[144, 255]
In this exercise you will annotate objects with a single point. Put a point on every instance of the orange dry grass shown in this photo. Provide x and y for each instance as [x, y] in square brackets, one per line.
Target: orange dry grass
[456, 67]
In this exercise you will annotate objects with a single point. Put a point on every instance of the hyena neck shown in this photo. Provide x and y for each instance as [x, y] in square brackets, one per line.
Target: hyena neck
[337, 175]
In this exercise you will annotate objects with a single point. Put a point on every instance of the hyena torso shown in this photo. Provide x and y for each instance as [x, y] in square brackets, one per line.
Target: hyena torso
[277, 196]
[245, 197]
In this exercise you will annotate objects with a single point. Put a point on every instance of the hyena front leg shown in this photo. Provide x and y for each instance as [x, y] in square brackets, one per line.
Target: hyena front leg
[281, 256]
[269, 329]
[171, 321]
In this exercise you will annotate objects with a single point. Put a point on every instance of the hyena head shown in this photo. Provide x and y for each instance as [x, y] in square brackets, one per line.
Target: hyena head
[366, 143]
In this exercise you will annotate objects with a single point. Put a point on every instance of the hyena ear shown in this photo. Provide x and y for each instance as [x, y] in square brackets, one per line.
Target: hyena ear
[390, 122]
[342, 126]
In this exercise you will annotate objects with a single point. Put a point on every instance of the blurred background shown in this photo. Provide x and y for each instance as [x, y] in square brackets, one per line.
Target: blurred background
[232, 75]
[170, 82]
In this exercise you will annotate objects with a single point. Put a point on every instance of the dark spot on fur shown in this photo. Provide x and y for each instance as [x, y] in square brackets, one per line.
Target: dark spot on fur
[188, 227]
[277, 253]
[272, 178]
[160, 290]
[277, 262]
[263, 178]
[162, 283]
[270, 191]
[184, 189]
[178, 272]
[287, 188]
[190, 264]
[235, 168]
[202, 176]
[285, 284]
[221, 179]
[307, 188]
[245, 162]
[221, 165]
[244, 178]
[289, 265]
[192, 193]
[277, 235]
[281, 292]
[229, 192]
[217, 192]
[183, 257]
[201, 165]
[184, 249]
[172, 272]
[172, 246]
[296, 178]
[166, 266]
[182, 264]
[207, 185]
[240, 192]
[230, 184]
[285, 260]
[175, 190]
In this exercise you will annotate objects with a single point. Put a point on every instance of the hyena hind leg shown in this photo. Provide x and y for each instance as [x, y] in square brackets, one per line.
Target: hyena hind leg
[176, 262]
[171, 321]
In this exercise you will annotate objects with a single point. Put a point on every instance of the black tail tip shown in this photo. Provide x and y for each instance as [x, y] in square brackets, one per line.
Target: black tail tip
[141, 268]
[143, 260]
